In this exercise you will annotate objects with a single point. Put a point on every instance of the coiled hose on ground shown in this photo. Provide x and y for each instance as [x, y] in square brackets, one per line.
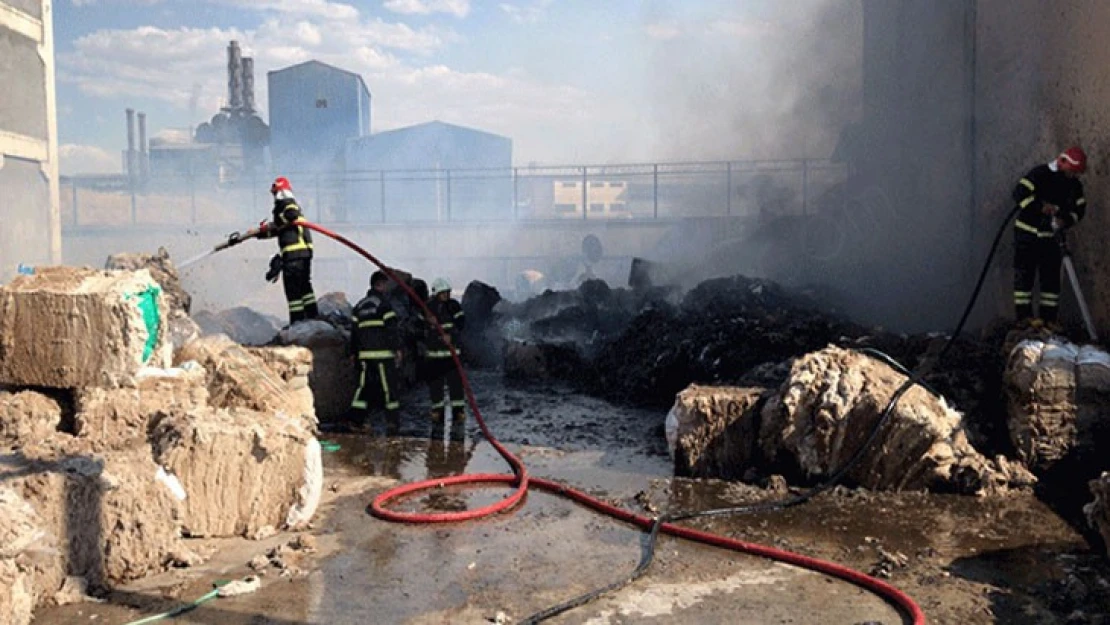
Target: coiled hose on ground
[520, 481]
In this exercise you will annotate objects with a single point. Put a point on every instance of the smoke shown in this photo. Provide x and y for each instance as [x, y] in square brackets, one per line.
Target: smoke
[778, 82]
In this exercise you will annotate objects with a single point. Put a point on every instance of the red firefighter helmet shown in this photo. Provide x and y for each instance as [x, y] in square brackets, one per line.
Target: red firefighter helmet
[281, 183]
[1072, 159]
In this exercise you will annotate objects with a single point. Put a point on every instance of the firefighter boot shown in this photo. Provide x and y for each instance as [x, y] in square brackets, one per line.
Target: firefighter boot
[437, 415]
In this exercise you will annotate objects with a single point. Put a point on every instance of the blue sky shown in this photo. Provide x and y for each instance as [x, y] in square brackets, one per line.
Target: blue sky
[568, 80]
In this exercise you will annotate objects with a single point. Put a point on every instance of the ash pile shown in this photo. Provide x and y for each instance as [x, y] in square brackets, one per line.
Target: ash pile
[124, 434]
[753, 381]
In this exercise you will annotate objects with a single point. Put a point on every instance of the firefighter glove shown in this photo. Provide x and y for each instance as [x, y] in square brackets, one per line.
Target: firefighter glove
[275, 268]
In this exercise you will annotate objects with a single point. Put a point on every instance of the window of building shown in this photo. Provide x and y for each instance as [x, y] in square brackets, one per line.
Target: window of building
[568, 185]
[565, 208]
[597, 184]
[321, 103]
[597, 208]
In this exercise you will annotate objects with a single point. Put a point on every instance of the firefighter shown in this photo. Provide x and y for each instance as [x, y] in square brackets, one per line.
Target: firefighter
[375, 344]
[439, 366]
[1050, 197]
[294, 263]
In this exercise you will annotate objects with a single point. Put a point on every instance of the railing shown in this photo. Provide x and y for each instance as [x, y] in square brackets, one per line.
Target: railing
[585, 192]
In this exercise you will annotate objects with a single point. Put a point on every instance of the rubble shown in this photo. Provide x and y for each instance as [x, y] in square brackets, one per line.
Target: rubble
[240, 324]
[163, 272]
[834, 398]
[112, 521]
[524, 360]
[238, 378]
[182, 330]
[27, 416]
[116, 418]
[115, 454]
[1098, 511]
[238, 468]
[293, 365]
[335, 309]
[481, 339]
[17, 598]
[333, 379]
[68, 327]
[1057, 394]
[713, 431]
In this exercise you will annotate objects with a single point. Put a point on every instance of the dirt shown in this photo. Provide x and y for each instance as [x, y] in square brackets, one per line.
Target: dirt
[965, 560]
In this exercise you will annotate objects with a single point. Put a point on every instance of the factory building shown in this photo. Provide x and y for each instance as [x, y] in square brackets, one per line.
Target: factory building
[430, 171]
[314, 110]
[230, 148]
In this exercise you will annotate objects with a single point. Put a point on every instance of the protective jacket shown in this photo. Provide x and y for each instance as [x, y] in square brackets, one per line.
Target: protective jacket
[1045, 183]
[374, 334]
[450, 316]
[294, 240]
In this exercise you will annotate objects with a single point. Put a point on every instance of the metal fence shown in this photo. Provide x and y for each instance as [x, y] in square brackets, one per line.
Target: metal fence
[586, 192]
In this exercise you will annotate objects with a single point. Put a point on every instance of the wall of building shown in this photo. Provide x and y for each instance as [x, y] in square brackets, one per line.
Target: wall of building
[314, 110]
[1042, 86]
[28, 137]
[431, 172]
[961, 99]
[914, 154]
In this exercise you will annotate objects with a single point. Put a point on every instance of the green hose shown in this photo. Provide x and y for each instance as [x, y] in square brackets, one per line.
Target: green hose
[184, 608]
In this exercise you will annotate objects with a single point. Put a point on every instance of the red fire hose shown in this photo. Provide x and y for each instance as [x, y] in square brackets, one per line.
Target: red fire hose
[520, 481]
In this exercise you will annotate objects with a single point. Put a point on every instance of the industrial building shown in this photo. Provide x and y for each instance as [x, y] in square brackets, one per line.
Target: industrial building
[315, 109]
[229, 148]
[430, 171]
[28, 137]
[319, 137]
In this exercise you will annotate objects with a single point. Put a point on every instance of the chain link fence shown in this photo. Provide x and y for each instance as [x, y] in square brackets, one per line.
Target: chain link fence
[584, 192]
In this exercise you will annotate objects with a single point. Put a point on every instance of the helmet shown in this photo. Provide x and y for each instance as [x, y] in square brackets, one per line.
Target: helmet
[1072, 159]
[281, 183]
[439, 285]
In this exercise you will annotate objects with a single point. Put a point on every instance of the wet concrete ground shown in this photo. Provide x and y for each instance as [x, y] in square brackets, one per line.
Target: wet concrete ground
[964, 560]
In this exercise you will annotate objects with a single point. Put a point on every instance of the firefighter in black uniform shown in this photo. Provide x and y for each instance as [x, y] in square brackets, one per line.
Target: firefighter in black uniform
[1050, 197]
[294, 263]
[439, 366]
[375, 343]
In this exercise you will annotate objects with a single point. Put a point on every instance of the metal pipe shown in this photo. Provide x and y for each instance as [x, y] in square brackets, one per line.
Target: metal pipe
[585, 195]
[142, 156]
[131, 144]
[248, 85]
[234, 77]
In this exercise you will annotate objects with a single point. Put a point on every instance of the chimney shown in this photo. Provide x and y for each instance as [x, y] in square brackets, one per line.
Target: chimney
[143, 162]
[234, 77]
[131, 144]
[248, 85]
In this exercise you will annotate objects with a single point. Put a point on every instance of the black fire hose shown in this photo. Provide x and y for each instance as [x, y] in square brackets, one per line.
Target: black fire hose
[838, 475]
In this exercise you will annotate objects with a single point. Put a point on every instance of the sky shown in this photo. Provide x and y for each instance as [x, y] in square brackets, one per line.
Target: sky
[570, 81]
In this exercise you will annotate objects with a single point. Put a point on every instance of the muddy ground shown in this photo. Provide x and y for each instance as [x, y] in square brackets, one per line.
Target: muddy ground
[1007, 560]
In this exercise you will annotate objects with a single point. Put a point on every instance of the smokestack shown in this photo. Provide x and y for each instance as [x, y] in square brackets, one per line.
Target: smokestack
[131, 143]
[234, 77]
[248, 85]
[142, 147]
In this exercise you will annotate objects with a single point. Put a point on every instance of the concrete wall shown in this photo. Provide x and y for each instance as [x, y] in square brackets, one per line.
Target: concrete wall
[961, 98]
[28, 137]
[1041, 87]
[916, 152]
[305, 137]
